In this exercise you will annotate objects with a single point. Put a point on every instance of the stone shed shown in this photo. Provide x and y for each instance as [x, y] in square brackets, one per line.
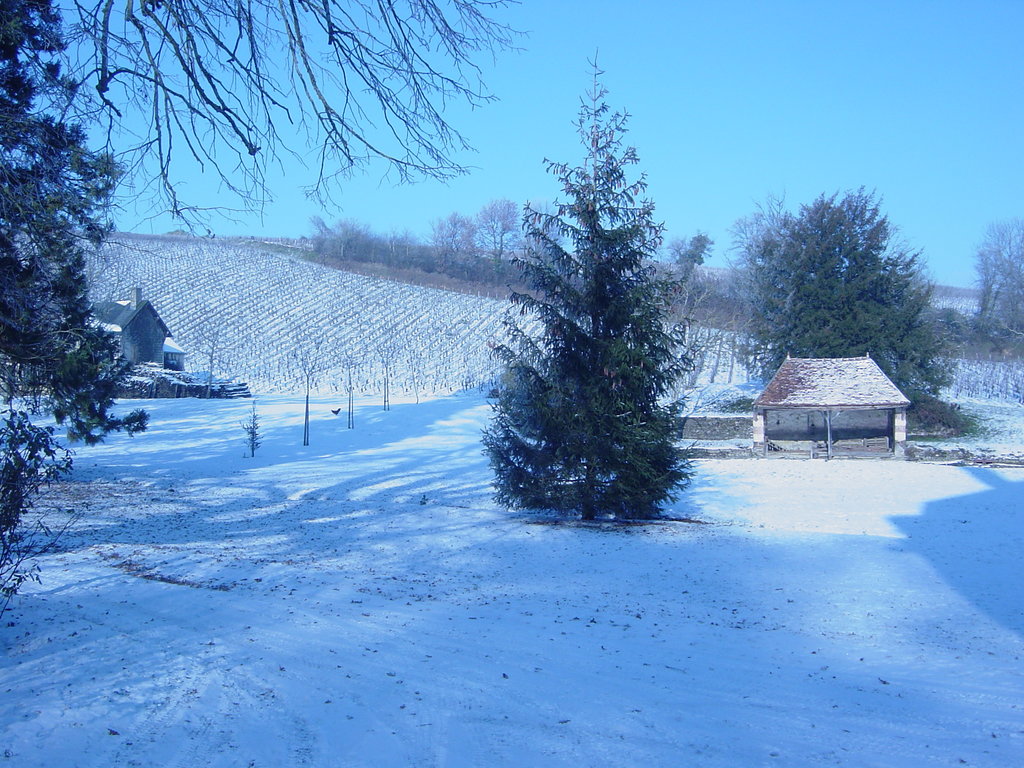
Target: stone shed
[834, 406]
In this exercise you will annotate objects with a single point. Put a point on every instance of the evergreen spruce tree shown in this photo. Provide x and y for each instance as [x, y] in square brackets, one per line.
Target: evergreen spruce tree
[52, 190]
[580, 424]
[53, 357]
[834, 281]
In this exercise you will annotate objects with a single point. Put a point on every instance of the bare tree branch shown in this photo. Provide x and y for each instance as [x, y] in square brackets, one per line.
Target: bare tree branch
[237, 84]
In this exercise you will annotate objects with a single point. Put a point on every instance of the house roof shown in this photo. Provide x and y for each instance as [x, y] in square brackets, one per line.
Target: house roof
[830, 382]
[119, 314]
[171, 347]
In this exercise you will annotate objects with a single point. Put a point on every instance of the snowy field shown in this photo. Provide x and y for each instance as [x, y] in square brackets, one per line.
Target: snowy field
[361, 602]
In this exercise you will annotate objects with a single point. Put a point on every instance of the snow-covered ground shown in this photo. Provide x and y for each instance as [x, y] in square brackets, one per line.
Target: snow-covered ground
[362, 602]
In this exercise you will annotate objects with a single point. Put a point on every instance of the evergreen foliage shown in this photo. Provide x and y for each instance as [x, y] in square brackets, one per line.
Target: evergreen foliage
[579, 424]
[51, 192]
[30, 458]
[251, 426]
[833, 281]
[53, 357]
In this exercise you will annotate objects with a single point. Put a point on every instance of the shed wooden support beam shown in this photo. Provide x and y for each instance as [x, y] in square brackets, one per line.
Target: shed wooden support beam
[828, 434]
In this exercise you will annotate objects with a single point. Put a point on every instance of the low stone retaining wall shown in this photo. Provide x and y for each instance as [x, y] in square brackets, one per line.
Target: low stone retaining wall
[718, 428]
[149, 380]
[720, 453]
[164, 388]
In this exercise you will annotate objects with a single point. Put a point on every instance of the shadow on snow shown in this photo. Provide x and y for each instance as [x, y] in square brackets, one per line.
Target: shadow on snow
[974, 542]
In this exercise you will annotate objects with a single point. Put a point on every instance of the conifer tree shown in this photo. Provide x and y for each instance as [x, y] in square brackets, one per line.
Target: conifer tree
[835, 281]
[52, 191]
[580, 424]
[53, 357]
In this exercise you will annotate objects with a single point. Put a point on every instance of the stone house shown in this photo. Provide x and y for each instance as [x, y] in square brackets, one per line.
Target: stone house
[143, 336]
[829, 407]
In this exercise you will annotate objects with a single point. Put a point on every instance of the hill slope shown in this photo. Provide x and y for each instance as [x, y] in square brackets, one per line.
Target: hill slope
[247, 310]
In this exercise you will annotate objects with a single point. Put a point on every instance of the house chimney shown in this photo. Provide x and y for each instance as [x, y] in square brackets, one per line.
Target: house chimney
[136, 297]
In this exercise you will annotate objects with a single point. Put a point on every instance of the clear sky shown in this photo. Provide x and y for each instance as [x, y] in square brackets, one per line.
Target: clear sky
[920, 101]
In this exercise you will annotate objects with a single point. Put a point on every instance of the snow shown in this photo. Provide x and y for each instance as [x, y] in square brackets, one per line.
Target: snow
[362, 601]
[171, 346]
[830, 381]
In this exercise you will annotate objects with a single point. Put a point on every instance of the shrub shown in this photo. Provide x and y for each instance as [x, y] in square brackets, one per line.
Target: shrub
[931, 416]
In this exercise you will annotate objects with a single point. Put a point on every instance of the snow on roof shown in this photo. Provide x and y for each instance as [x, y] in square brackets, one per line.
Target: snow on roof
[171, 346]
[830, 382]
[122, 313]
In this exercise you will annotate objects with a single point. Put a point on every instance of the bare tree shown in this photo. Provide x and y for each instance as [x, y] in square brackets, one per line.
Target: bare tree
[399, 246]
[351, 361]
[213, 340]
[308, 348]
[453, 237]
[347, 240]
[498, 229]
[1000, 267]
[386, 350]
[228, 84]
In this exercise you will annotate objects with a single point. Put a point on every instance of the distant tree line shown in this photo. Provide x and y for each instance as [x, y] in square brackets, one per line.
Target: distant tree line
[986, 321]
[476, 253]
[831, 279]
[468, 253]
[1000, 267]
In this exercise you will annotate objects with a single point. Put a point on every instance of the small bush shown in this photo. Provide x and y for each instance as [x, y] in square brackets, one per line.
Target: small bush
[739, 405]
[931, 416]
[30, 459]
[251, 426]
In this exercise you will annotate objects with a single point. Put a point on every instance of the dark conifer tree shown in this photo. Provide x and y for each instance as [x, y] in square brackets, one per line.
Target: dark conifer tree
[53, 357]
[835, 281]
[52, 189]
[581, 424]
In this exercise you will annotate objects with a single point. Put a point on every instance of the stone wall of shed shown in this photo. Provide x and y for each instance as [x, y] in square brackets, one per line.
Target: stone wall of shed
[810, 425]
[717, 428]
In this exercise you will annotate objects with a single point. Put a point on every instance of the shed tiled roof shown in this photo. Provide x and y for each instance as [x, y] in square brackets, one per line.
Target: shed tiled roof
[830, 382]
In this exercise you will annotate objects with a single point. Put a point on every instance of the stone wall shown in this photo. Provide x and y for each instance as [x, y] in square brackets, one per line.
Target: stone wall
[718, 428]
[149, 380]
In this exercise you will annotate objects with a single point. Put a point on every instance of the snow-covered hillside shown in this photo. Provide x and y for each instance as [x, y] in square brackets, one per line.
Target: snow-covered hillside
[251, 309]
[246, 310]
[362, 602]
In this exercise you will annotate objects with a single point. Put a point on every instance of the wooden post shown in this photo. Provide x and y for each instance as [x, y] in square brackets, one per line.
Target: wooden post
[828, 434]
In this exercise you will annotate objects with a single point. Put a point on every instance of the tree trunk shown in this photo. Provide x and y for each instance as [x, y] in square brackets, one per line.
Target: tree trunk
[588, 507]
[351, 411]
[305, 423]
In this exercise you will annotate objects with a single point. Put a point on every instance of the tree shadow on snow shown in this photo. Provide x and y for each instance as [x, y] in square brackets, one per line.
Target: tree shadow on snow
[974, 542]
[381, 482]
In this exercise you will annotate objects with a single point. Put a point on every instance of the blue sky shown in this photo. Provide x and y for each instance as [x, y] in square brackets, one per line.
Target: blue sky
[921, 102]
